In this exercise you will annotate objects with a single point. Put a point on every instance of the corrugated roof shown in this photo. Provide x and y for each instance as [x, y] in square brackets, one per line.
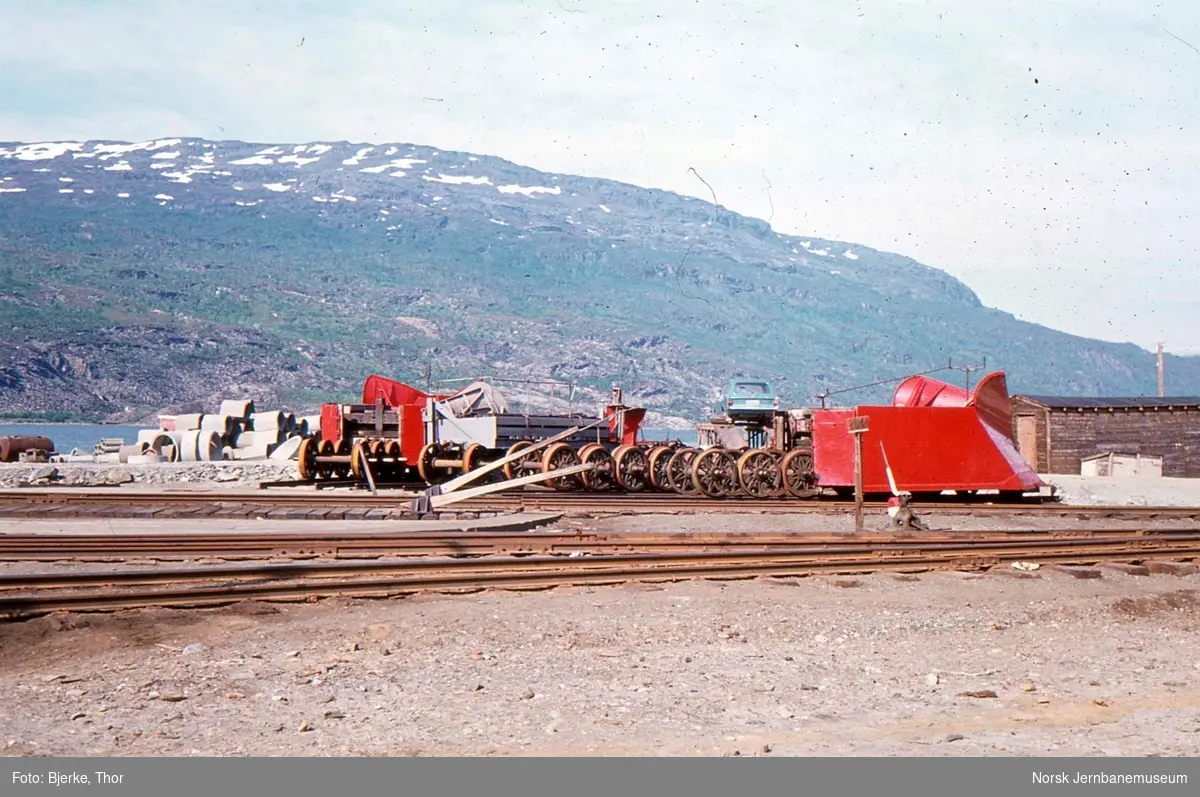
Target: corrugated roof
[1116, 402]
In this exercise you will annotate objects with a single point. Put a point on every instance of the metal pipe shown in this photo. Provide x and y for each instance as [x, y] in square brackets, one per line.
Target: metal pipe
[11, 448]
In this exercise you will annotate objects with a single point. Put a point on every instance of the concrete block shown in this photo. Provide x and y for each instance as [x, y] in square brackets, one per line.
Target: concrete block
[1126, 568]
[287, 449]
[1172, 568]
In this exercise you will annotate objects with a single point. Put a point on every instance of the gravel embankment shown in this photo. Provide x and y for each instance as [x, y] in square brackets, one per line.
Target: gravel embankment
[221, 474]
[876, 665]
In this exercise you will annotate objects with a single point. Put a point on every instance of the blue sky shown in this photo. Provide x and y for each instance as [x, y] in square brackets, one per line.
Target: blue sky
[913, 126]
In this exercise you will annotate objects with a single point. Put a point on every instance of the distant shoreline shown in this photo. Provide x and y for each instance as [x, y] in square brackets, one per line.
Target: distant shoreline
[35, 422]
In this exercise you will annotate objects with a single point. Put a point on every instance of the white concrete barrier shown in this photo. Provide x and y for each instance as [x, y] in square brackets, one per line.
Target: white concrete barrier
[287, 449]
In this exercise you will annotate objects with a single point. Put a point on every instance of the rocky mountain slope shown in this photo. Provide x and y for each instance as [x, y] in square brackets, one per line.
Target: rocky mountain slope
[139, 276]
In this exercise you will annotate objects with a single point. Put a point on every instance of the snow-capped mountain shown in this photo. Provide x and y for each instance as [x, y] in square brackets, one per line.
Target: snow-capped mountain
[136, 275]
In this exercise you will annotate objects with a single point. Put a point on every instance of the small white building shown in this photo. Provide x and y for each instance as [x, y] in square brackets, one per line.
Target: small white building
[1111, 463]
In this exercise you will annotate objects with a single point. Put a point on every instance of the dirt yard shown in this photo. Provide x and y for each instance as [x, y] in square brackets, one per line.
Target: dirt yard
[936, 664]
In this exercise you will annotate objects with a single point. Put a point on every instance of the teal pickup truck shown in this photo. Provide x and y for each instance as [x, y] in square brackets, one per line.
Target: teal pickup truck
[750, 397]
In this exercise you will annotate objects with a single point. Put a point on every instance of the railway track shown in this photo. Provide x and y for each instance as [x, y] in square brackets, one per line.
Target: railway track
[364, 545]
[25, 595]
[357, 504]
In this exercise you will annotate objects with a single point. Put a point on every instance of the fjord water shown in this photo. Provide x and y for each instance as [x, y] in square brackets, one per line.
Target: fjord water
[68, 436]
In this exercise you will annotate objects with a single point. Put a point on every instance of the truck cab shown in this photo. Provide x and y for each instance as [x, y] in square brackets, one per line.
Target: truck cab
[750, 398]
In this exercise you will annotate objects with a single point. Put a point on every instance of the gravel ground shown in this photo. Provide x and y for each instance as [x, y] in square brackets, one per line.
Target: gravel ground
[1132, 491]
[873, 520]
[877, 665]
[216, 474]
[1075, 490]
[869, 665]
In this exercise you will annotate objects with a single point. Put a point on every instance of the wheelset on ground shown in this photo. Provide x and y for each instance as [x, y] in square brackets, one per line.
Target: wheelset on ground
[325, 460]
[754, 473]
[712, 472]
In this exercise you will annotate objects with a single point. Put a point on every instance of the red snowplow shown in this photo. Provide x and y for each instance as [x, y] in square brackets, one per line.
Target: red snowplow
[937, 437]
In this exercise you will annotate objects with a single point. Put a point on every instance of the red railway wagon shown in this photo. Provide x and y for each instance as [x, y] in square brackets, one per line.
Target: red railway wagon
[936, 437]
[401, 434]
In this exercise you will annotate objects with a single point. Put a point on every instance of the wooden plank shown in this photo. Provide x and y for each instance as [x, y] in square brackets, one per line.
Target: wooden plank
[467, 478]
[439, 501]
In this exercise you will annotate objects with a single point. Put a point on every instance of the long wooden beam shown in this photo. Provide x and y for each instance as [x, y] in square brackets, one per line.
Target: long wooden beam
[439, 501]
[467, 478]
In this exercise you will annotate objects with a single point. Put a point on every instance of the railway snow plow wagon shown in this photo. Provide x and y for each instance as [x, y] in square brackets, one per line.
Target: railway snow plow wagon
[936, 437]
[402, 435]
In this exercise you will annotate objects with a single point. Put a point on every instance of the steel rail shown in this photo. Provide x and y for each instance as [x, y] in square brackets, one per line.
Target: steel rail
[86, 502]
[524, 574]
[55, 547]
[1182, 545]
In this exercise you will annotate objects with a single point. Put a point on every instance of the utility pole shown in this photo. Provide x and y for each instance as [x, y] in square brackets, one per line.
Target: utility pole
[857, 426]
[967, 369]
[1160, 371]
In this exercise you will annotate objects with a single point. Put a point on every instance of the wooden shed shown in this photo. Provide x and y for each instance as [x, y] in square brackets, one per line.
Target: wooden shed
[1056, 434]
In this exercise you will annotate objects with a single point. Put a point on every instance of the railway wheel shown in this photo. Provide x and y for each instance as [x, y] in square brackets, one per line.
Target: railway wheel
[557, 457]
[679, 471]
[306, 459]
[343, 448]
[777, 456]
[472, 457]
[427, 470]
[658, 458]
[715, 473]
[391, 466]
[519, 467]
[799, 479]
[601, 477]
[359, 452]
[325, 449]
[631, 468]
[376, 450]
[425, 461]
[759, 473]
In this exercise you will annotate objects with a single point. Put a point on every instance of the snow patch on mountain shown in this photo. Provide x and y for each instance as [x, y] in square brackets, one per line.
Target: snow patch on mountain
[358, 156]
[457, 180]
[42, 151]
[399, 163]
[528, 191]
[253, 160]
